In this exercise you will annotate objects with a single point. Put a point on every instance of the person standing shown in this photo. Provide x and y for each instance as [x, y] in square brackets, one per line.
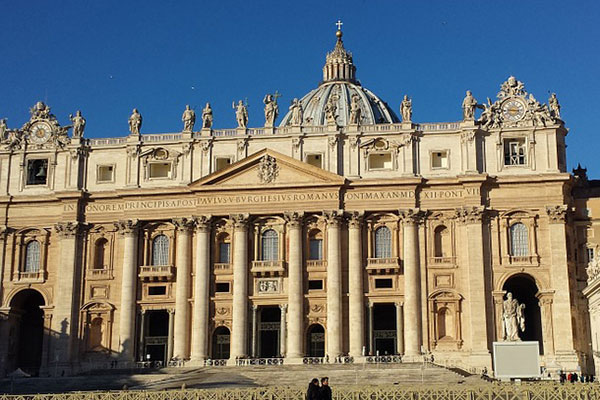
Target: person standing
[325, 392]
[312, 393]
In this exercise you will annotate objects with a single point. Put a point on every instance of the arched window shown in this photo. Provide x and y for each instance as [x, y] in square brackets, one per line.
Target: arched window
[519, 241]
[32, 257]
[160, 250]
[224, 249]
[383, 242]
[315, 245]
[441, 241]
[100, 253]
[269, 245]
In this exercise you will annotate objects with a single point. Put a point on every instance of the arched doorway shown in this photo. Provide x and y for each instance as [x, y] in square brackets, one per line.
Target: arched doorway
[220, 343]
[27, 333]
[524, 289]
[315, 341]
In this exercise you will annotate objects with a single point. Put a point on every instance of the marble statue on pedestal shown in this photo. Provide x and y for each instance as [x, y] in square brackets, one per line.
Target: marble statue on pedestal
[554, 106]
[241, 114]
[297, 112]
[135, 122]
[355, 111]
[271, 109]
[3, 129]
[331, 109]
[469, 105]
[78, 124]
[513, 319]
[188, 118]
[406, 109]
[207, 116]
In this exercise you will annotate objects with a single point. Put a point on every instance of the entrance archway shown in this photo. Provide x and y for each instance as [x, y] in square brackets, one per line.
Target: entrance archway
[315, 345]
[28, 330]
[269, 329]
[220, 343]
[384, 329]
[157, 336]
[524, 289]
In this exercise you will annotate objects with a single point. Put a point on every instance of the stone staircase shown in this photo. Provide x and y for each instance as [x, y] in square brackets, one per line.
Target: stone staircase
[239, 377]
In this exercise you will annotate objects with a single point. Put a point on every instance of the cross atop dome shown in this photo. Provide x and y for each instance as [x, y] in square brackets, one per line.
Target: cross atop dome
[339, 24]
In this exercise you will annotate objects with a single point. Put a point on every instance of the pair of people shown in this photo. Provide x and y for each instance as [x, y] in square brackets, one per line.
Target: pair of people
[316, 392]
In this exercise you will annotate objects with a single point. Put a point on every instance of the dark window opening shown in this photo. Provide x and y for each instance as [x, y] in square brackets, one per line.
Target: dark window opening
[315, 284]
[157, 290]
[37, 172]
[222, 287]
[384, 283]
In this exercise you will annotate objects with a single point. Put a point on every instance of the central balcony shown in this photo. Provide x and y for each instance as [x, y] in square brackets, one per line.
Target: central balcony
[383, 265]
[149, 273]
[222, 269]
[268, 268]
[316, 265]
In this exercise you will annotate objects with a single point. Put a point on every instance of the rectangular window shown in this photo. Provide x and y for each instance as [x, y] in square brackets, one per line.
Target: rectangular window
[105, 173]
[159, 170]
[385, 283]
[514, 151]
[439, 159]
[222, 163]
[315, 251]
[380, 161]
[316, 284]
[157, 290]
[316, 160]
[222, 287]
[37, 172]
[224, 252]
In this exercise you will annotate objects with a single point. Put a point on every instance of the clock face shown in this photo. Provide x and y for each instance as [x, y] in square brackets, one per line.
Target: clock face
[513, 110]
[40, 133]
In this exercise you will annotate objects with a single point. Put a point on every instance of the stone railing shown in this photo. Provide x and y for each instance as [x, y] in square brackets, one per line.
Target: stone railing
[441, 260]
[522, 260]
[99, 274]
[225, 132]
[316, 265]
[29, 276]
[438, 126]
[222, 269]
[274, 267]
[106, 142]
[387, 264]
[428, 391]
[162, 137]
[157, 272]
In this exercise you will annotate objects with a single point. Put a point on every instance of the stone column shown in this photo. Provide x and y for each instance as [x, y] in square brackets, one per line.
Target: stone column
[239, 336]
[559, 271]
[545, 302]
[182, 288]
[254, 330]
[472, 220]
[412, 283]
[334, 285]
[170, 337]
[371, 331]
[201, 290]
[295, 330]
[140, 352]
[65, 314]
[356, 306]
[283, 329]
[399, 327]
[129, 230]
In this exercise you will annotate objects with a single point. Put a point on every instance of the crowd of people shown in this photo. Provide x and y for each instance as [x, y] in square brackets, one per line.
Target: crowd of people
[316, 392]
[574, 377]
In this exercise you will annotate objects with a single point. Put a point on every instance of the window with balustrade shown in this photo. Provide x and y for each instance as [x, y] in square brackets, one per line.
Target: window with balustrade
[383, 242]
[315, 245]
[32, 257]
[269, 245]
[519, 240]
[160, 250]
[224, 247]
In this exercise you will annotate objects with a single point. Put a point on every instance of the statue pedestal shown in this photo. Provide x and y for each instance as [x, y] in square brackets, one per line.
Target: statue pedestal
[407, 126]
[516, 360]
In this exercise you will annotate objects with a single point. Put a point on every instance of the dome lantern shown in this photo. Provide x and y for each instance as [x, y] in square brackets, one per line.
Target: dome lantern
[338, 63]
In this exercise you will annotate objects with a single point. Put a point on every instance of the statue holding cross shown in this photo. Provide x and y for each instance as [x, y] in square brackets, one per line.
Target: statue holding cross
[271, 109]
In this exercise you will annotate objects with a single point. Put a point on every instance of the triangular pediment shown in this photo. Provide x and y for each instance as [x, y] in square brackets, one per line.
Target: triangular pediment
[268, 168]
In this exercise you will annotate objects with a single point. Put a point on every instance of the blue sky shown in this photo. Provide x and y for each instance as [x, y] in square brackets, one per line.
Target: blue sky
[107, 57]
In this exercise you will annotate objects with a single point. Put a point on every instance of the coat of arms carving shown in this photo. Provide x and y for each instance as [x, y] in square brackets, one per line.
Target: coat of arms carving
[267, 169]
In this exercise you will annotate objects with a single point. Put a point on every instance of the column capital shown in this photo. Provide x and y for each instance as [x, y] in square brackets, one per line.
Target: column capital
[127, 227]
[183, 224]
[498, 296]
[240, 221]
[470, 214]
[557, 214]
[545, 296]
[399, 304]
[412, 216]
[283, 307]
[254, 307]
[66, 229]
[294, 218]
[202, 222]
[333, 217]
[171, 311]
[355, 219]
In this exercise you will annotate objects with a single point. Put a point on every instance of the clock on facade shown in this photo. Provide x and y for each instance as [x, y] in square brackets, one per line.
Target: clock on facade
[513, 110]
[40, 133]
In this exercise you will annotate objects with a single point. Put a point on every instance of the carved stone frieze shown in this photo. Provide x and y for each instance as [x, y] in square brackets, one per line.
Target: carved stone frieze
[183, 224]
[127, 227]
[202, 222]
[294, 218]
[333, 217]
[557, 214]
[470, 215]
[66, 229]
[355, 219]
[412, 216]
[240, 221]
[467, 136]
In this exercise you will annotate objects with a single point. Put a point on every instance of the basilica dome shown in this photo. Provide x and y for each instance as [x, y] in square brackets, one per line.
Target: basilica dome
[338, 88]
